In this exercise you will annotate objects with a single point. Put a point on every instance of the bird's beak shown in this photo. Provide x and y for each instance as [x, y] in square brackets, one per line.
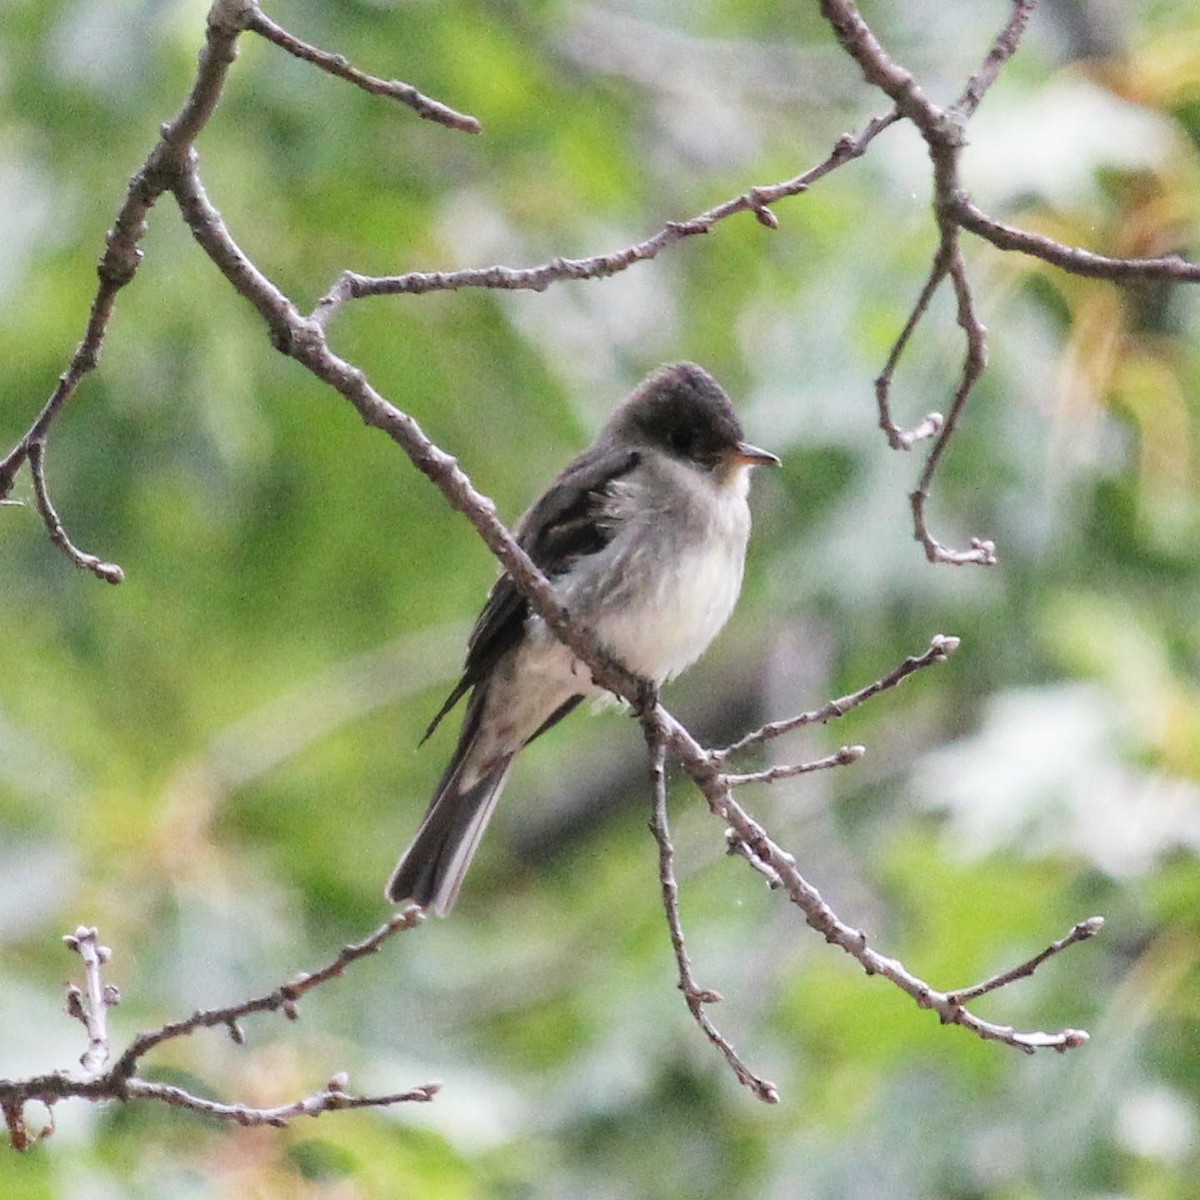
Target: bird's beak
[752, 456]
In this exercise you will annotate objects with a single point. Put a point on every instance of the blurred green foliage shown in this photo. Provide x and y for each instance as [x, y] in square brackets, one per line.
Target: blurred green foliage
[216, 762]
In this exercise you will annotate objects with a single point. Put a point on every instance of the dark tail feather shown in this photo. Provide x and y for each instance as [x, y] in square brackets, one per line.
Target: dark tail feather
[432, 869]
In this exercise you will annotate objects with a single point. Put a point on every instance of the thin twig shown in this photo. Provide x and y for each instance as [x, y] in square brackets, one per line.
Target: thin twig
[173, 152]
[93, 1014]
[982, 551]
[748, 839]
[1080, 933]
[331, 1098]
[171, 166]
[881, 70]
[120, 1081]
[1003, 48]
[353, 286]
[736, 848]
[122, 257]
[943, 131]
[281, 999]
[940, 648]
[304, 340]
[839, 758]
[1073, 259]
[695, 996]
[339, 65]
[109, 572]
[898, 438]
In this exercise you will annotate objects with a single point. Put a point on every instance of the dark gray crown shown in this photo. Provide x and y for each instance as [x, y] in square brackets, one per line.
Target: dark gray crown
[682, 410]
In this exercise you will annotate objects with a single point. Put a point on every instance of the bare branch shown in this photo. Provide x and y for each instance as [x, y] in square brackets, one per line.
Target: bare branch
[120, 1081]
[839, 758]
[281, 999]
[1073, 259]
[694, 995]
[1003, 48]
[881, 70]
[1080, 933]
[172, 154]
[109, 572]
[173, 157]
[747, 838]
[101, 996]
[943, 130]
[121, 259]
[171, 166]
[940, 649]
[339, 65]
[943, 133]
[352, 286]
[304, 340]
[974, 360]
[331, 1098]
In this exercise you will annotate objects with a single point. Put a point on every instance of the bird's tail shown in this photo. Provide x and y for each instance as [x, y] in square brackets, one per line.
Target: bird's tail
[432, 869]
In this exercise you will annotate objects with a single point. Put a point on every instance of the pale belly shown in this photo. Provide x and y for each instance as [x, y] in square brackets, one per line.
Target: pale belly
[662, 591]
[660, 630]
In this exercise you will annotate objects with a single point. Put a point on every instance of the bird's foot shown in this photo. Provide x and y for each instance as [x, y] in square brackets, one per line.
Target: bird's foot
[647, 696]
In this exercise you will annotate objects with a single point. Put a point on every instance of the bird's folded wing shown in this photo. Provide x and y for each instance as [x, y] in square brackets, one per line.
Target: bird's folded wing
[568, 523]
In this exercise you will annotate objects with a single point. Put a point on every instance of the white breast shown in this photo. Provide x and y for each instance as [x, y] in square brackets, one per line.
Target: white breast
[673, 573]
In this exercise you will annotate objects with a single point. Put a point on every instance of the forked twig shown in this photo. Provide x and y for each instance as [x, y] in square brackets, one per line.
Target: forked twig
[101, 996]
[172, 154]
[746, 838]
[694, 995]
[943, 131]
[121, 1082]
[281, 999]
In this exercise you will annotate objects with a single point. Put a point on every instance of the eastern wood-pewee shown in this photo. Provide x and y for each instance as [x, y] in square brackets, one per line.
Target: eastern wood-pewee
[643, 537]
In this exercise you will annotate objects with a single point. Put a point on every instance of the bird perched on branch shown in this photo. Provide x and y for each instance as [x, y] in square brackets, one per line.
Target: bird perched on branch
[643, 538]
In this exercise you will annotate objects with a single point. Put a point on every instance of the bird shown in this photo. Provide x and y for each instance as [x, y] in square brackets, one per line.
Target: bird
[643, 540]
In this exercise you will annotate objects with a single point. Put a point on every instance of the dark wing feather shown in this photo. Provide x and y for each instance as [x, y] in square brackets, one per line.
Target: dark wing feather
[566, 524]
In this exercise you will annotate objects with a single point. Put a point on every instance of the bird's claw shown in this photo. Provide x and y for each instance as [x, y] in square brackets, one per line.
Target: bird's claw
[647, 695]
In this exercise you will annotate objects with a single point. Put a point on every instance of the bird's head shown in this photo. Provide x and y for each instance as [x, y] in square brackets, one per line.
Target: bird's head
[683, 411]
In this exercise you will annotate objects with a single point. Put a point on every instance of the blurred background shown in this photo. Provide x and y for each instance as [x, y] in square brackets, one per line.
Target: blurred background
[217, 762]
